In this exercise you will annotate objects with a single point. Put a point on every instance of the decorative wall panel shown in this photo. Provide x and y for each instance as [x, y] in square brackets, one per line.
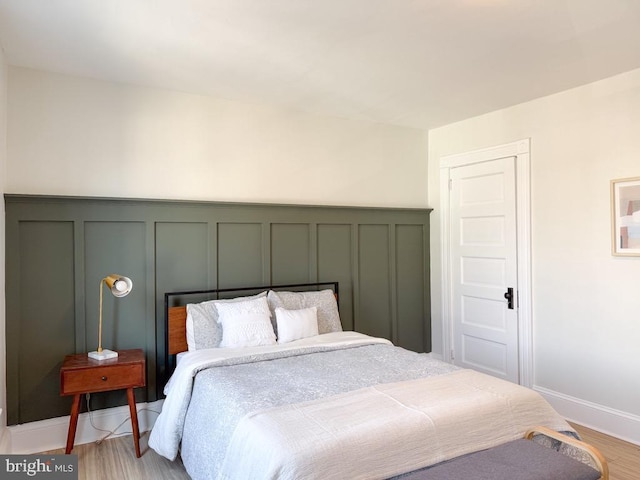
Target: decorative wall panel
[58, 249]
[46, 301]
[374, 308]
[336, 263]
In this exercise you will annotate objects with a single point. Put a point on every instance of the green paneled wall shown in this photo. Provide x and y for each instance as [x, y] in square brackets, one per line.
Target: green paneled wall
[58, 249]
[291, 252]
[47, 321]
[336, 262]
[411, 275]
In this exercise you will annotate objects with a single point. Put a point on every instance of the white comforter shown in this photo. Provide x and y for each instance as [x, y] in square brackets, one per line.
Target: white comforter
[415, 423]
[386, 430]
[167, 431]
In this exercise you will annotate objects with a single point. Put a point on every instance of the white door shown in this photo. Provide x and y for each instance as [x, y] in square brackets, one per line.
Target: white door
[484, 267]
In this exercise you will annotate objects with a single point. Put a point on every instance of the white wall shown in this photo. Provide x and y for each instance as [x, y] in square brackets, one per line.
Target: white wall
[586, 302]
[3, 162]
[75, 136]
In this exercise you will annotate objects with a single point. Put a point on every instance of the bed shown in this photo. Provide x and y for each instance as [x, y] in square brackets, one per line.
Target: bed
[267, 385]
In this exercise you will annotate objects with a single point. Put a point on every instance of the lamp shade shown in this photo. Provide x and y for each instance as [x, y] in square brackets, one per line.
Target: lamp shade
[120, 286]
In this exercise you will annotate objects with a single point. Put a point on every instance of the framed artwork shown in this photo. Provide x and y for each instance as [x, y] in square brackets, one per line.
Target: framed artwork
[625, 205]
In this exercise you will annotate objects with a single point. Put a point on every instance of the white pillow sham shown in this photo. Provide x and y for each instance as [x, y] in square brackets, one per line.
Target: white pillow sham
[203, 329]
[246, 323]
[296, 324]
[246, 330]
[324, 300]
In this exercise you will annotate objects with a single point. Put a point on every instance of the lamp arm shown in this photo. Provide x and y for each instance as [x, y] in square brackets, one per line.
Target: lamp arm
[100, 322]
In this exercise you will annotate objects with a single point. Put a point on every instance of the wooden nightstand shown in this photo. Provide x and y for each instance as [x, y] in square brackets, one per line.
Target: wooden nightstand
[80, 374]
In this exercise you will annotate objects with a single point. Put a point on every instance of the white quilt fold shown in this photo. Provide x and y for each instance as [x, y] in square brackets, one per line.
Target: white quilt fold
[385, 430]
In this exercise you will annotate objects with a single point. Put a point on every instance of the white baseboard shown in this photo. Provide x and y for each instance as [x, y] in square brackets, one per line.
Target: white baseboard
[5, 440]
[5, 436]
[616, 423]
[51, 434]
[437, 356]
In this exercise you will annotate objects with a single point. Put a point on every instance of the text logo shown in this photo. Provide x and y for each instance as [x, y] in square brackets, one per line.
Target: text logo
[40, 467]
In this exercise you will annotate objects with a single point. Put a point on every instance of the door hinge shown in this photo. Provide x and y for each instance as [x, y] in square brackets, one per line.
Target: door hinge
[453, 357]
[450, 183]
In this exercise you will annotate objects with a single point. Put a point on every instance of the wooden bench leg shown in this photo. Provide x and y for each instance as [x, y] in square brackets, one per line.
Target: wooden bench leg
[598, 459]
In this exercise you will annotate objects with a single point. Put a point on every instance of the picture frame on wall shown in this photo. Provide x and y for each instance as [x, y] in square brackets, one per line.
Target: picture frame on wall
[625, 205]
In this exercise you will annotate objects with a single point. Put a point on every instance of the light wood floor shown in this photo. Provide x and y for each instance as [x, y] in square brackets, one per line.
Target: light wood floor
[115, 459]
[623, 458]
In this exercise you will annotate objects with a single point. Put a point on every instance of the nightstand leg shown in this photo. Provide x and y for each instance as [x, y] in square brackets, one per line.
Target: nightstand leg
[134, 420]
[73, 423]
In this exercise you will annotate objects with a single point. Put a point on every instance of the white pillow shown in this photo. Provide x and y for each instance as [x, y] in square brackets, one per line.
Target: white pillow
[253, 305]
[246, 330]
[325, 300]
[203, 329]
[246, 323]
[296, 324]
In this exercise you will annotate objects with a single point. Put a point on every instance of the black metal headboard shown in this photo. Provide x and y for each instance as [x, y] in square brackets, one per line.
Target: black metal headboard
[175, 303]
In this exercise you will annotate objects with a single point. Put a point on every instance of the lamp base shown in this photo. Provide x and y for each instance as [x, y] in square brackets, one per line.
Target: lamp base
[103, 355]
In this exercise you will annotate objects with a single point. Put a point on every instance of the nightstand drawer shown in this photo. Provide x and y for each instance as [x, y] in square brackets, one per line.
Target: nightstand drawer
[97, 379]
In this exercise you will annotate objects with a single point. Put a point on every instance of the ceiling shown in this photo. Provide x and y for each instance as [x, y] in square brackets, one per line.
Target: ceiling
[421, 63]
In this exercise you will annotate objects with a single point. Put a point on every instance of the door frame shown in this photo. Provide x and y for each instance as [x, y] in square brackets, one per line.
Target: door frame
[521, 151]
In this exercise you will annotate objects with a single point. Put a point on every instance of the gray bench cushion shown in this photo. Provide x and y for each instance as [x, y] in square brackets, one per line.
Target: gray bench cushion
[517, 460]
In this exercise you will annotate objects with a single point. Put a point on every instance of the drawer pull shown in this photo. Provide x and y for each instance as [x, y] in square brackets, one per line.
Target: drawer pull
[104, 379]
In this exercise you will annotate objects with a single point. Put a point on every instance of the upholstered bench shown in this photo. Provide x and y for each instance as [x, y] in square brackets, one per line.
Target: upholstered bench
[522, 459]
